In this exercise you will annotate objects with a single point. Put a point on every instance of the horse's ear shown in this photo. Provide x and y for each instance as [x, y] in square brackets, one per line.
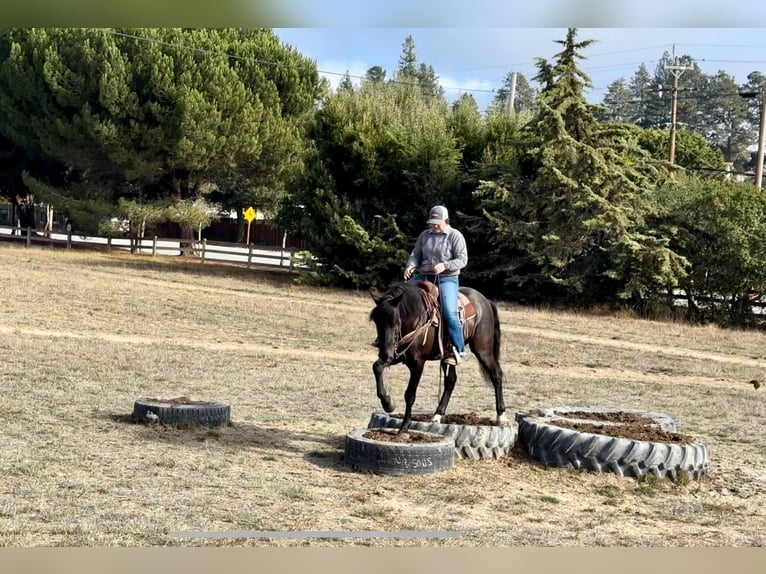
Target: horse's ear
[376, 294]
[396, 300]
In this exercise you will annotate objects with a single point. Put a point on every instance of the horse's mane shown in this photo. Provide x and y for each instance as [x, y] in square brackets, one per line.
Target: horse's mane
[408, 301]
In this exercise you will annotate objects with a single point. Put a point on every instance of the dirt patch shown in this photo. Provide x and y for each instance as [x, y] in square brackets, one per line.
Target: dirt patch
[405, 437]
[632, 426]
[452, 419]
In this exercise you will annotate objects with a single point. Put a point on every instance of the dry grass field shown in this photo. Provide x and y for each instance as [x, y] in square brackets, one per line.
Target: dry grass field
[85, 334]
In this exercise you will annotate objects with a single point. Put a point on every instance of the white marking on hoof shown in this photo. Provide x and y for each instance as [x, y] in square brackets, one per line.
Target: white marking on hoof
[436, 418]
[502, 420]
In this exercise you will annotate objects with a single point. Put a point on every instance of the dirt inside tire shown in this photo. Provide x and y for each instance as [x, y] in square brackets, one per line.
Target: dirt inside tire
[631, 425]
[452, 419]
[632, 430]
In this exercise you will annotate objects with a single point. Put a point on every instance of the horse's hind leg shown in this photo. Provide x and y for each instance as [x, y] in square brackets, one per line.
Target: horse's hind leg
[450, 378]
[492, 369]
[416, 371]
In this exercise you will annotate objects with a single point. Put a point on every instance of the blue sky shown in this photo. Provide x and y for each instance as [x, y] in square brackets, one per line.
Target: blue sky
[476, 60]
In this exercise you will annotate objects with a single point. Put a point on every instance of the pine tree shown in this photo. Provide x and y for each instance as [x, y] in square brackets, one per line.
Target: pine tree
[157, 112]
[375, 74]
[346, 83]
[643, 92]
[619, 102]
[408, 68]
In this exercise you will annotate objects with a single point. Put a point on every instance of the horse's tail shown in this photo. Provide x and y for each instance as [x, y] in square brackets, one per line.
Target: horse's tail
[496, 315]
[496, 344]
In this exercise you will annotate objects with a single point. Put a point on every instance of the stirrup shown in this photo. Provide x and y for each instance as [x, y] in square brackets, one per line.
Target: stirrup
[454, 358]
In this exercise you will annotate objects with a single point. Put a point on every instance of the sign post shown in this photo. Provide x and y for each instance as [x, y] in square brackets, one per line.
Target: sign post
[250, 214]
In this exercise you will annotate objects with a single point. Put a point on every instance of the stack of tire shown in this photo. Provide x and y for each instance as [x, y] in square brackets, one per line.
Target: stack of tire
[451, 442]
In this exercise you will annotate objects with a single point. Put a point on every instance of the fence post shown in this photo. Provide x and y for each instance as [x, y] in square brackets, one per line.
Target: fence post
[108, 243]
[29, 236]
[249, 254]
[292, 258]
[154, 247]
[284, 243]
[69, 238]
[204, 248]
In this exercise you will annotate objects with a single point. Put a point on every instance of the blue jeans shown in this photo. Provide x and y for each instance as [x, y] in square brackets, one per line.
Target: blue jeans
[448, 296]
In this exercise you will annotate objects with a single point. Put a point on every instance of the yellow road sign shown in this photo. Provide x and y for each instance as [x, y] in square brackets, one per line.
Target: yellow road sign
[250, 214]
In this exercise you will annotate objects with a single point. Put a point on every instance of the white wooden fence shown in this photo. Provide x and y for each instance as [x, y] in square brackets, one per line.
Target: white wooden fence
[204, 250]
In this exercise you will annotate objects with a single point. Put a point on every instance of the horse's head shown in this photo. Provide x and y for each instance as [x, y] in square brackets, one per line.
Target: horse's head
[387, 321]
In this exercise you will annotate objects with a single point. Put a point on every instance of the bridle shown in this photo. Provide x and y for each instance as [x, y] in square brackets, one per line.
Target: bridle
[429, 318]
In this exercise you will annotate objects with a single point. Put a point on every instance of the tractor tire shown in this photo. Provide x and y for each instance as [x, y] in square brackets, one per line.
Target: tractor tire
[472, 442]
[181, 413]
[567, 448]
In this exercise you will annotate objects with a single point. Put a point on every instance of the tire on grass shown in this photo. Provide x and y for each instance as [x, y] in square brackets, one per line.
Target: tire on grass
[567, 448]
[385, 457]
[181, 412]
[471, 441]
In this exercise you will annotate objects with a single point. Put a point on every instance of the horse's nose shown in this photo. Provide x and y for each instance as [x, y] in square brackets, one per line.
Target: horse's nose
[387, 355]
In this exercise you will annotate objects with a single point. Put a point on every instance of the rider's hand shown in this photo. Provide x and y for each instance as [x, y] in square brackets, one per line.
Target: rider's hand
[439, 268]
[409, 272]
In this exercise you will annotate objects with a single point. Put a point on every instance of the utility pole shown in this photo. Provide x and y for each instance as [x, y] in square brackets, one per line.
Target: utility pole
[761, 142]
[761, 134]
[677, 71]
[512, 97]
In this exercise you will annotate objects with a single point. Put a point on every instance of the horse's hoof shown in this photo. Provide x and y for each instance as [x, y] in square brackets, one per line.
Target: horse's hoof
[388, 406]
[436, 419]
[502, 421]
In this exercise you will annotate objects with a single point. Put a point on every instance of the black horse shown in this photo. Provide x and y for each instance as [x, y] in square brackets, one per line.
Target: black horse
[403, 316]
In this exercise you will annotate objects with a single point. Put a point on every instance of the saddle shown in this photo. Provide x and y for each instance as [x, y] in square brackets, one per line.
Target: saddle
[465, 309]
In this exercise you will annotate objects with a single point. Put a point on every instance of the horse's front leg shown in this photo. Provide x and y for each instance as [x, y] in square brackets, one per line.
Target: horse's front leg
[378, 368]
[450, 378]
[416, 371]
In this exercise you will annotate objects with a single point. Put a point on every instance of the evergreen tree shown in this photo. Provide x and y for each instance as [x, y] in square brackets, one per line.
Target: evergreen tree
[723, 118]
[375, 74]
[156, 112]
[429, 81]
[619, 102]
[575, 213]
[346, 83]
[379, 158]
[408, 68]
[642, 91]
[411, 71]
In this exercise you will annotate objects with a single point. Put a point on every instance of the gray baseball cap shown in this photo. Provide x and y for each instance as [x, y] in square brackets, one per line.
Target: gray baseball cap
[437, 214]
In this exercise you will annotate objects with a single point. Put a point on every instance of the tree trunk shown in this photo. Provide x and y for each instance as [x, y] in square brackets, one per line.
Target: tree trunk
[24, 210]
[240, 224]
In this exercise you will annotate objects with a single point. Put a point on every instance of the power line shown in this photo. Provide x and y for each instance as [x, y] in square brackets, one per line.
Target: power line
[748, 46]
[586, 69]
